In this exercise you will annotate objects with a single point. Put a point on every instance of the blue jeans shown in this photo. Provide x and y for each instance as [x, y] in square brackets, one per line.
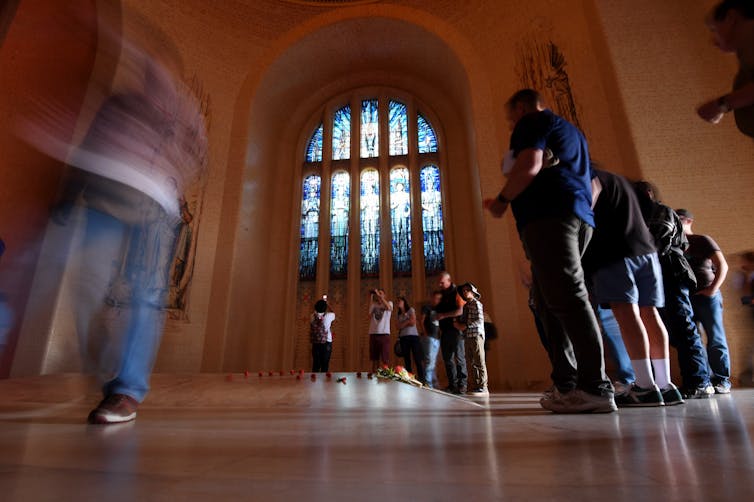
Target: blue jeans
[683, 334]
[613, 339]
[708, 311]
[121, 345]
[555, 247]
[454, 357]
[431, 348]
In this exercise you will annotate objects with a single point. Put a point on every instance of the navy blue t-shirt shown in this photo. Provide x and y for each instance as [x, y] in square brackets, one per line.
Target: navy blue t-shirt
[560, 190]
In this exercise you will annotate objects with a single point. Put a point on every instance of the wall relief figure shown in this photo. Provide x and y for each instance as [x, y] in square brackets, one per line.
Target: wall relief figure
[542, 66]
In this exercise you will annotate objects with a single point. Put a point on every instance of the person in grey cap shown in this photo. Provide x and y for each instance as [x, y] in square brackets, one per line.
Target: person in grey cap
[471, 323]
[710, 269]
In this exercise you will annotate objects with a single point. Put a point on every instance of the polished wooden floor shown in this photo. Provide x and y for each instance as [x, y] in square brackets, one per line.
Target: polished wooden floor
[211, 437]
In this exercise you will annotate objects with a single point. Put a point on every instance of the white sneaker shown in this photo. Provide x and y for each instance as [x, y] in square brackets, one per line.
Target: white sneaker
[578, 401]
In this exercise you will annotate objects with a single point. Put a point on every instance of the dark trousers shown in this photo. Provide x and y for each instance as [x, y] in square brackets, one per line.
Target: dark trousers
[454, 357]
[411, 346]
[555, 247]
[683, 334]
[321, 357]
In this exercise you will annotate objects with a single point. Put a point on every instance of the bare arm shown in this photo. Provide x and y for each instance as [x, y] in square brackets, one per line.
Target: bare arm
[527, 166]
[721, 271]
[713, 111]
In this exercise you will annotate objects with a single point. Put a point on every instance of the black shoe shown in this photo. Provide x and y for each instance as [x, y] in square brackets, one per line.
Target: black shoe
[637, 396]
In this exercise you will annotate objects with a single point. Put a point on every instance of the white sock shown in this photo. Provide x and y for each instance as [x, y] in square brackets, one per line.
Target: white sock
[643, 371]
[662, 372]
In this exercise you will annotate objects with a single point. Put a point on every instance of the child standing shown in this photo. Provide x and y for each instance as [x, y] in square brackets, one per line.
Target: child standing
[471, 323]
[321, 336]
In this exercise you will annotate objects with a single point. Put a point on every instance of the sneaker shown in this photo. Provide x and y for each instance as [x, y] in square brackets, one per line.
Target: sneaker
[703, 391]
[114, 409]
[622, 387]
[578, 401]
[671, 395]
[722, 388]
[638, 396]
[479, 392]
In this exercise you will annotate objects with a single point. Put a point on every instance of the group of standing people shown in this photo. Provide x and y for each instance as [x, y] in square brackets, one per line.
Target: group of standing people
[452, 322]
[595, 241]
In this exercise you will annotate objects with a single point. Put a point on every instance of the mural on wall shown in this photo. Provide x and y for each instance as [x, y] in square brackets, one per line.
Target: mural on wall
[542, 66]
[141, 248]
[192, 204]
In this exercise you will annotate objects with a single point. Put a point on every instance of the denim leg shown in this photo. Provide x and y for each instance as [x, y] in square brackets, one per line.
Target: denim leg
[149, 272]
[708, 310]
[102, 249]
[611, 335]
[431, 348]
[461, 371]
[555, 247]
[448, 347]
[684, 335]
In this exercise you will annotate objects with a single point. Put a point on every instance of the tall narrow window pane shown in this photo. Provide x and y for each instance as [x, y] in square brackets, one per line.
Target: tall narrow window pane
[370, 144]
[341, 134]
[434, 240]
[370, 223]
[400, 220]
[427, 136]
[309, 228]
[314, 147]
[398, 129]
[339, 211]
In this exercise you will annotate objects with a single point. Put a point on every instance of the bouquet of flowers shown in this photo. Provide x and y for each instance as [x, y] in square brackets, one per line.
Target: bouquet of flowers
[398, 374]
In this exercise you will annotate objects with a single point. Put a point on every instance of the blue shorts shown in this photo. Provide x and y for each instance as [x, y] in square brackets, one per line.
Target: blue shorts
[635, 280]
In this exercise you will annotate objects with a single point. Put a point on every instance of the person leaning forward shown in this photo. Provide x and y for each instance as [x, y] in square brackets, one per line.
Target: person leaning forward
[553, 212]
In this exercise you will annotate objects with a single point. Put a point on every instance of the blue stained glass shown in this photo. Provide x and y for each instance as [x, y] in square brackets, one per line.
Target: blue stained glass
[340, 206]
[309, 228]
[314, 147]
[427, 136]
[370, 223]
[400, 220]
[370, 145]
[341, 134]
[434, 239]
[398, 128]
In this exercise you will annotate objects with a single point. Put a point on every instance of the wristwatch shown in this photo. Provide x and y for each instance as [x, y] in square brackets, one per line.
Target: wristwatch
[723, 105]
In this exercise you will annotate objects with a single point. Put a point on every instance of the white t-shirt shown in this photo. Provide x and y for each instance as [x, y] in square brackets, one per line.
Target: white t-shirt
[379, 319]
[327, 320]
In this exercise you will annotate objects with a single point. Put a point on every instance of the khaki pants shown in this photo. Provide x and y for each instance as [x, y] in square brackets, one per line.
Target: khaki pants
[475, 360]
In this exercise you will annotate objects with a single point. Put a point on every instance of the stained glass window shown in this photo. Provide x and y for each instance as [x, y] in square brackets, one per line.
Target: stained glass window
[340, 204]
[314, 147]
[400, 220]
[370, 145]
[341, 134]
[309, 228]
[398, 128]
[427, 136]
[434, 239]
[370, 223]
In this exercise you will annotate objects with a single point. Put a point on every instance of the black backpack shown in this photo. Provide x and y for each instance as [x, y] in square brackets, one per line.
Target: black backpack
[317, 330]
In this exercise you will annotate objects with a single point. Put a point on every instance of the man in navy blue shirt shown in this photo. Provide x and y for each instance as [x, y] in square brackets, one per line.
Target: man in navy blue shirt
[553, 211]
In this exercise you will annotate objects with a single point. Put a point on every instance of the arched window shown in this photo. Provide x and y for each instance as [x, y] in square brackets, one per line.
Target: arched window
[309, 227]
[432, 226]
[370, 223]
[398, 212]
[340, 209]
[400, 220]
